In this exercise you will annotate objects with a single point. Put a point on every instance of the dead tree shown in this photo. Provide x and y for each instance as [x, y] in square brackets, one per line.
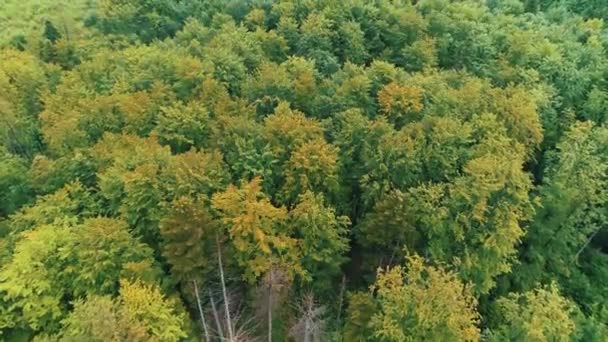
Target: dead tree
[271, 293]
[200, 311]
[310, 326]
[229, 324]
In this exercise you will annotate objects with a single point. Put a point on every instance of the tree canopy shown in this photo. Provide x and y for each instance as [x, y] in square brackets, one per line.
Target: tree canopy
[322, 170]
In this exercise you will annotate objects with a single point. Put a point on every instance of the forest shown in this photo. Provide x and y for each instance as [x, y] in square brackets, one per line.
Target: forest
[303, 170]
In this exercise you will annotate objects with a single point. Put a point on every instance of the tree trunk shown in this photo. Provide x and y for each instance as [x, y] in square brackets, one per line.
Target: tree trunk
[216, 316]
[200, 311]
[270, 306]
[224, 292]
[307, 330]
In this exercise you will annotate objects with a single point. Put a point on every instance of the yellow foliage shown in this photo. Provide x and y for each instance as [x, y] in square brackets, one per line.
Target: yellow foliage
[256, 229]
[312, 166]
[288, 128]
[399, 102]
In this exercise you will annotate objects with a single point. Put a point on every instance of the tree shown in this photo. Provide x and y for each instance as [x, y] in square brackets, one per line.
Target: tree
[313, 166]
[101, 252]
[31, 295]
[183, 126]
[287, 129]
[541, 314]
[361, 308]
[561, 241]
[423, 302]
[401, 104]
[195, 172]
[188, 230]
[140, 313]
[148, 20]
[323, 238]
[311, 325]
[58, 261]
[22, 83]
[277, 147]
[146, 305]
[257, 229]
[67, 205]
[13, 178]
[293, 81]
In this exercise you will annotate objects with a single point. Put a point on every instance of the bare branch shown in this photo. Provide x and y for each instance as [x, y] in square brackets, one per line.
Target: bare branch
[226, 302]
[200, 310]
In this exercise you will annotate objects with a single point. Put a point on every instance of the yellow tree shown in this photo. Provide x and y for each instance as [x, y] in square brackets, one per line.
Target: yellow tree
[313, 166]
[401, 104]
[257, 229]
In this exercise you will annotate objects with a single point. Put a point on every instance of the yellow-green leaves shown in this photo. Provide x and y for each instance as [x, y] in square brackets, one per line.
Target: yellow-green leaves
[313, 166]
[541, 314]
[140, 313]
[29, 285]
[22, 82]
[183, 126]
[147, 306]
[399, 103]
[286, 129]
[423, 303]
[55, 261]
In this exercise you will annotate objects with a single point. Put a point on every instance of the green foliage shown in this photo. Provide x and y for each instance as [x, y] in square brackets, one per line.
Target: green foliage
[323, 238]
[361, 307]
[14, 181]
[313, 166]
[141, 141]
[147, 19]
[22, 82]
[560, 242]
[188, 237]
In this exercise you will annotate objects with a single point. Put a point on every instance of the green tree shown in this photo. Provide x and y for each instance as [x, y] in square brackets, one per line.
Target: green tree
[188, 233]
[312, 166]
[561, 241]
[22, 82]
[13, 179]
[323, 236]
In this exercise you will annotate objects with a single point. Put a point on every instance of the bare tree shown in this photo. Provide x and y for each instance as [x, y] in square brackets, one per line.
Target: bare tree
[341, 298]
[310, 326]
[229, 323]
[236, 327]
[244, 326]
[270, 294]
[200, 311]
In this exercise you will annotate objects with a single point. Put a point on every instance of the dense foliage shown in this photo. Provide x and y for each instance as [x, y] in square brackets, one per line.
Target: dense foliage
[414, 170]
